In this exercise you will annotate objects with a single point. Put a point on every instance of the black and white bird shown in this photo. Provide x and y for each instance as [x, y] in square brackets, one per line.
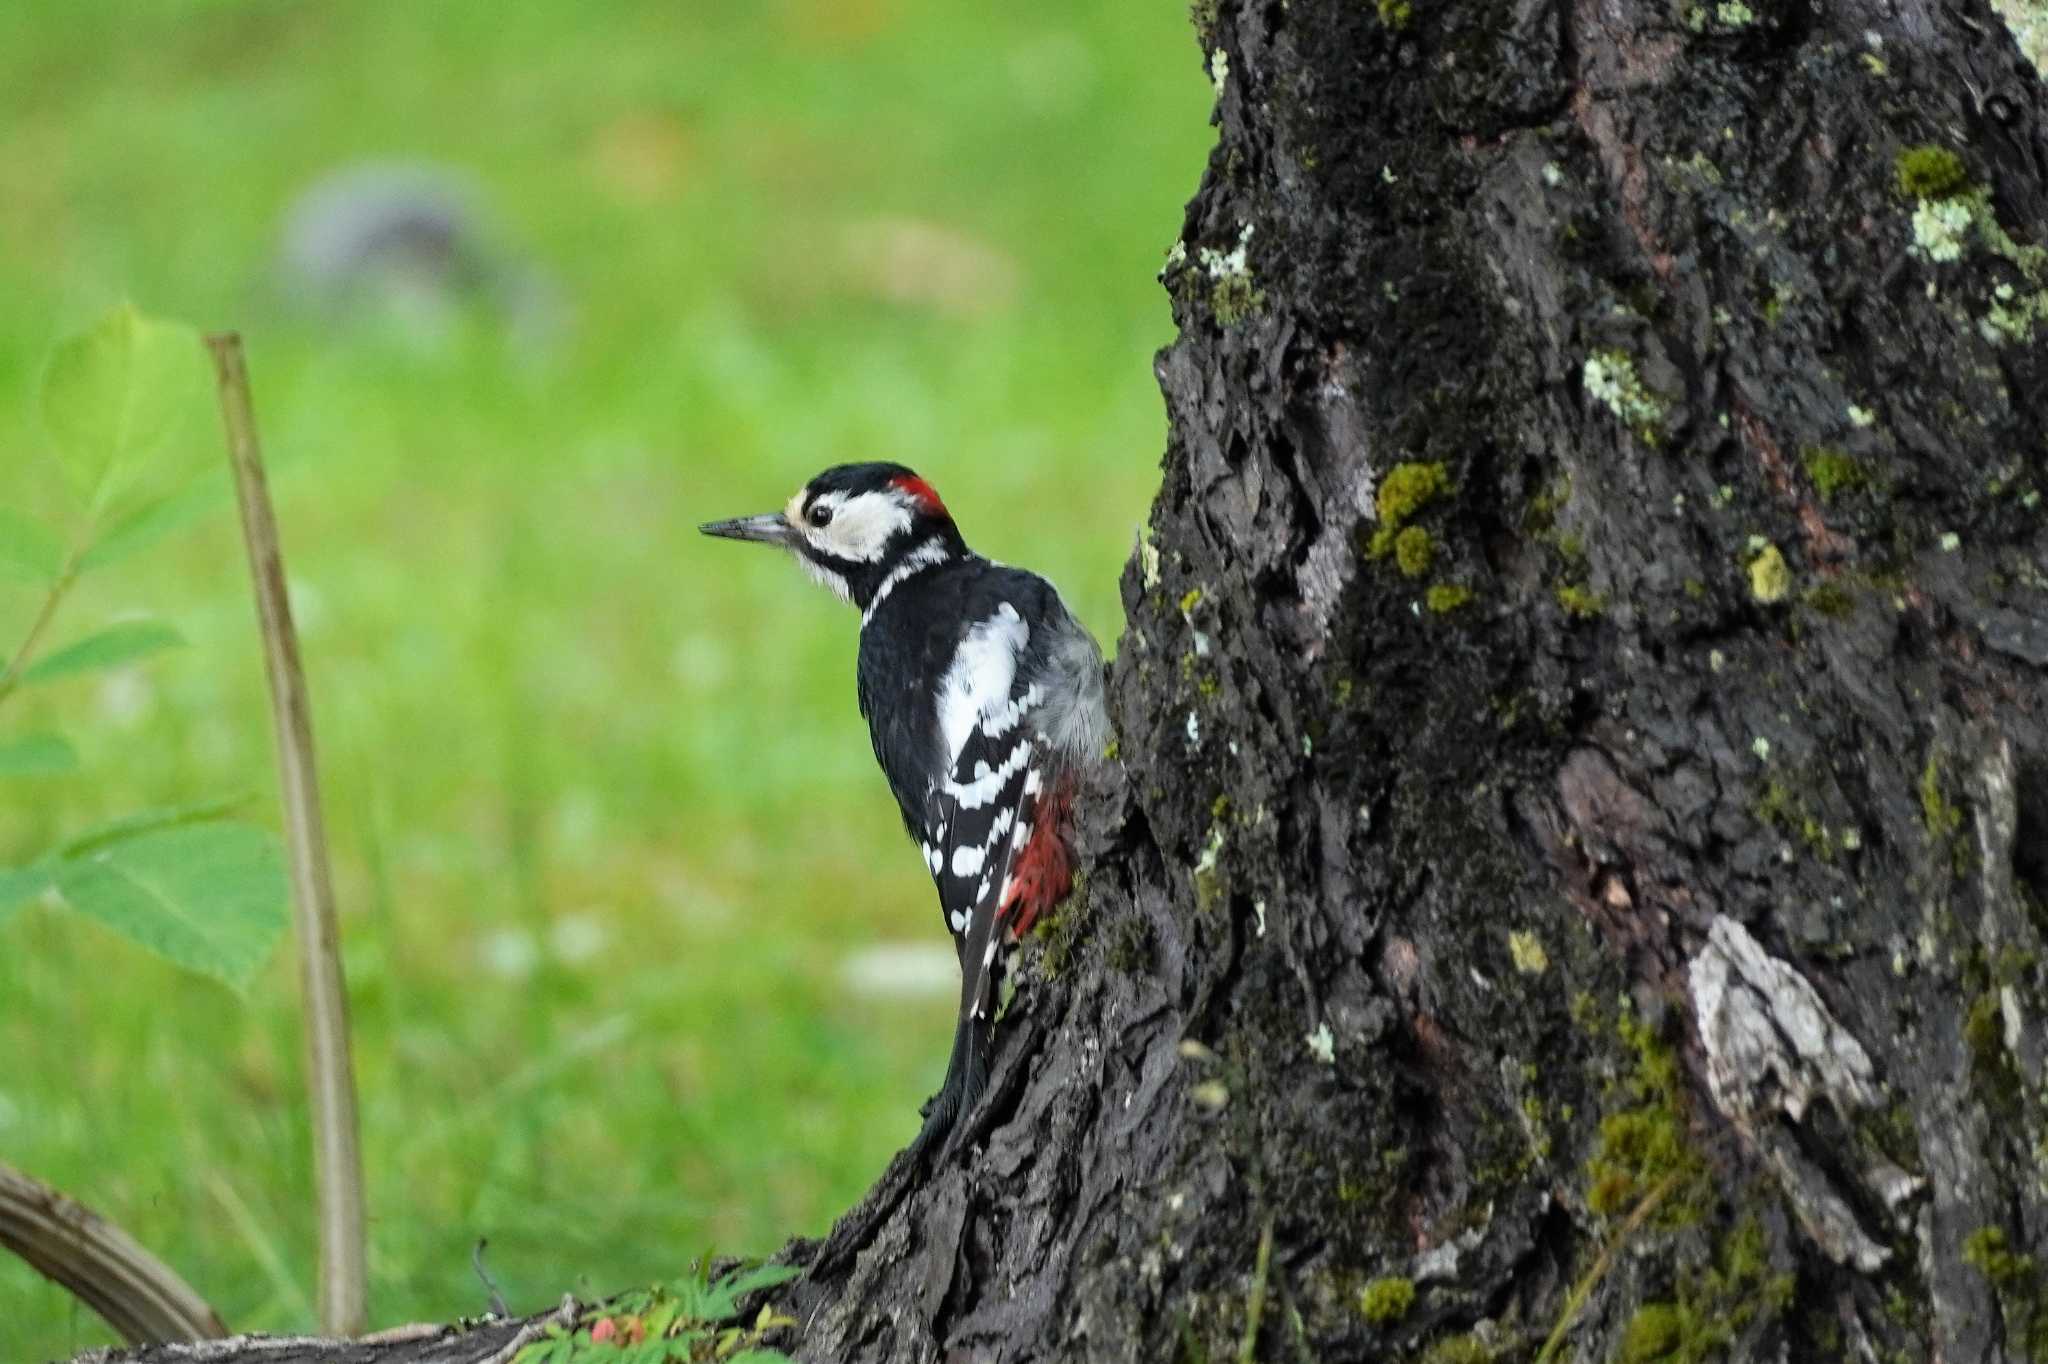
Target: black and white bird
[983, 695]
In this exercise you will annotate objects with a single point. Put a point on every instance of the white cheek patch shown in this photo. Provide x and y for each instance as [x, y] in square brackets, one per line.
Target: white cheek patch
[861, 526]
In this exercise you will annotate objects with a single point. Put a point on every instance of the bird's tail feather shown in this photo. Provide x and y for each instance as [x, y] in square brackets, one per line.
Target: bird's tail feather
[966, 1081]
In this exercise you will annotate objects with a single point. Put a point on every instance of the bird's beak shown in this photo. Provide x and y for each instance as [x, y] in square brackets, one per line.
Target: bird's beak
[769, 528]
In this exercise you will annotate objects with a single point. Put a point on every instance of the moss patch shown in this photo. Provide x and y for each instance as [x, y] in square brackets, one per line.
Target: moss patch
[1406, 490]
[1414, 550]
[1712, 1306]
[1645, 1144]
[1832, 471]
[1386, 1300]
[1444, 598]
[1930, 172]
[1941, 817]
[1831, 599]
[1465, 1349]
[1581, 602]
[2022, 1295]
[1780, 807]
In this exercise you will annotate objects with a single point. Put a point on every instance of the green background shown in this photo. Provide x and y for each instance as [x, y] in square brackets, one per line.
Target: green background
[607, 828]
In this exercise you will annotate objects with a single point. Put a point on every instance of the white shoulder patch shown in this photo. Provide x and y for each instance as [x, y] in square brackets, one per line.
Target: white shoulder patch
[978, 680]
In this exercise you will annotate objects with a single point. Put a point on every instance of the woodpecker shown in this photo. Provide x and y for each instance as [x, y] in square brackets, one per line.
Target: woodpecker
[983, 696]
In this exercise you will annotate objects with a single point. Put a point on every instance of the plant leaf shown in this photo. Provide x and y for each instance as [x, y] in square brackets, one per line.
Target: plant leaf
[150, 821]
[29, 550]
[111, 647]
[37, 755]
[760, 1276]
[114, 395]
[19, 885]
[209, 897]
[152, 521]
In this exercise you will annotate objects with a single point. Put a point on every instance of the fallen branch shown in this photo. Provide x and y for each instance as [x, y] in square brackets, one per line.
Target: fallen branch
[101, 1265]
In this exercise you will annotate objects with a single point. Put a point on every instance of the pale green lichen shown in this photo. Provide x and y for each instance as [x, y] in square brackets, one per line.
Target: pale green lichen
[1769, 578]
[1219, 70]
[1862, 418]
[2012, 318]
[2028, 22]
[1232, 295]
[1939, 228]
[1734, 14]
[1323, 1045]
[1527, 950]
[1609, 377]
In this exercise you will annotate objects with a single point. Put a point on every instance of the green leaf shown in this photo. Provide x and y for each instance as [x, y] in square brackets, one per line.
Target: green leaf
[37, 755]
[759, 1277]
[149, 821]
[19, 885]
[152, 521]
[209, 897]
[115, 395]
[110, 648]
[29, 550]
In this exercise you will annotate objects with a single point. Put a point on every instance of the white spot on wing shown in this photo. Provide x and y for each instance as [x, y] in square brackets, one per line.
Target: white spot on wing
[967, 861]
[987, 785]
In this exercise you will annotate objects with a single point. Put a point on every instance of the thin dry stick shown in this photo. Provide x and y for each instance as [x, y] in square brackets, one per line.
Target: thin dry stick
[1583, 1289]
[1255, 1305]
[102, 1266]
[337, 1157]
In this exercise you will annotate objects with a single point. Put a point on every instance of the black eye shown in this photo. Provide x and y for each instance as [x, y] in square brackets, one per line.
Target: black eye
[819, 515]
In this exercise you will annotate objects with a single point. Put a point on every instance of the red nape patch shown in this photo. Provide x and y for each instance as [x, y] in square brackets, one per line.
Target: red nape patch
[914, 487]
[1043, 871]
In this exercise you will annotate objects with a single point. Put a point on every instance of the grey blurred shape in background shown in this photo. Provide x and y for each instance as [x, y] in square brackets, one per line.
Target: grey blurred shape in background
[409, 249]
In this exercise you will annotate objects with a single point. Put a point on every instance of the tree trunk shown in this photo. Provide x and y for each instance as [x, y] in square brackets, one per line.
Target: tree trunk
[1576, 879]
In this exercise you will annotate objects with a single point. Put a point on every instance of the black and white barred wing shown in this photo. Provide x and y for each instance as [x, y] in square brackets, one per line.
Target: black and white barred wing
[979, 817]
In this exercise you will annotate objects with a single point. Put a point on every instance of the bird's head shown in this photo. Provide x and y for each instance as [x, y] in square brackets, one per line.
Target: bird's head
[853, 525]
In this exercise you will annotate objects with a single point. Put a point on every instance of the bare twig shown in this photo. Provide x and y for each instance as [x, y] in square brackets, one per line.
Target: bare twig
[337, 1158]
[102, 1266]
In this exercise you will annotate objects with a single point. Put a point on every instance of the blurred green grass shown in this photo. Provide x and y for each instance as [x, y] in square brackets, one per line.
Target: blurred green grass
[606, 821]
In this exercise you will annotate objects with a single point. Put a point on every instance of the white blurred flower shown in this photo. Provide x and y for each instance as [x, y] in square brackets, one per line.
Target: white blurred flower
[510, 953]
[577, 938]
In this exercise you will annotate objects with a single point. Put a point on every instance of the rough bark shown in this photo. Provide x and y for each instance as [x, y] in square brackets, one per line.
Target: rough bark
[1646, 952]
